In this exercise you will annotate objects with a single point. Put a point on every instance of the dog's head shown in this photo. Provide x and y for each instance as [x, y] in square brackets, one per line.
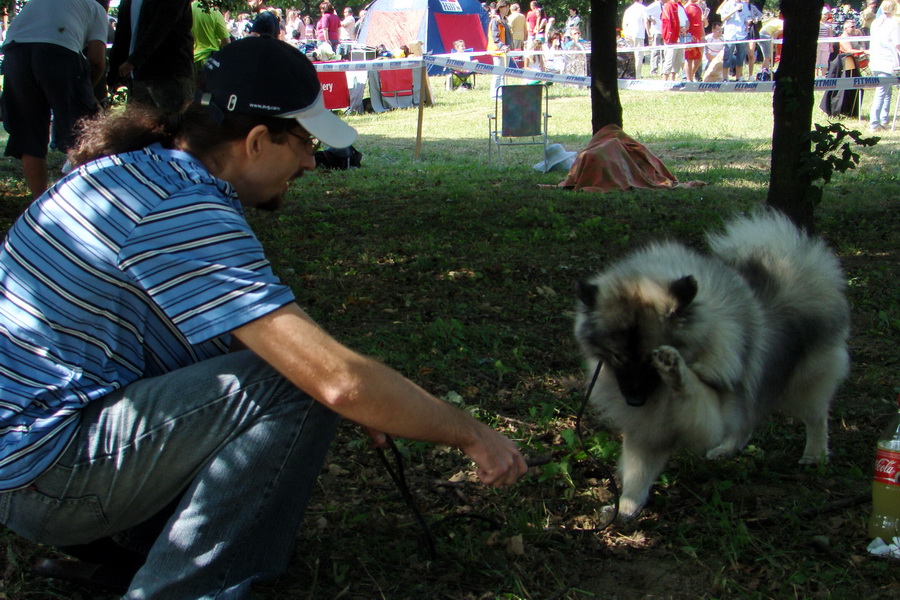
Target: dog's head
[621, 321]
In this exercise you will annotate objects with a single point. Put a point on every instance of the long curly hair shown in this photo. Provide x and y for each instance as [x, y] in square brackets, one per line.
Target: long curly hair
[195, 129]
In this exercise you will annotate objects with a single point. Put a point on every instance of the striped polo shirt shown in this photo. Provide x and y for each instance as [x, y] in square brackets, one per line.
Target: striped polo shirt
[132, 266]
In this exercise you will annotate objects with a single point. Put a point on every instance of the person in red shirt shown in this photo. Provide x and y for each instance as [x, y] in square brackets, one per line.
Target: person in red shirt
[696, 23]
[673, 58]
[329, 25]
[532, 19]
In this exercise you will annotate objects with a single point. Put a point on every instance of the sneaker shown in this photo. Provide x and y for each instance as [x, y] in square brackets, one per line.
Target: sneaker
[873, 127]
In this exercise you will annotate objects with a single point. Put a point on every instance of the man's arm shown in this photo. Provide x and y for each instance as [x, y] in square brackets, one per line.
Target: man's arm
[158, 20]
[95, 51]
[373, 395]
[728, 9]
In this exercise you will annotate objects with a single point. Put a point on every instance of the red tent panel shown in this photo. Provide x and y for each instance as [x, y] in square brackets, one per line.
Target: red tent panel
[395, 29]
[462, 27]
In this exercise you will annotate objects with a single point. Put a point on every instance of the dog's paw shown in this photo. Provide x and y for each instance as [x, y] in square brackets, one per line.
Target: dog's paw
[720, 452]
[627, 513]
[670, 366]
[821, 459]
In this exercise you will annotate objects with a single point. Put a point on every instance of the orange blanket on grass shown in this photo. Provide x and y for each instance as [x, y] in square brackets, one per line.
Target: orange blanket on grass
[614, 161]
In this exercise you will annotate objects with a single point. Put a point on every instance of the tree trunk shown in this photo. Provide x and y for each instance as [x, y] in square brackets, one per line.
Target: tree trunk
[789, 191]
[606, 109]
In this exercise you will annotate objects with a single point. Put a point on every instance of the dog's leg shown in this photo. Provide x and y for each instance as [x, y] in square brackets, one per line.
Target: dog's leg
[671, 369]
[808, 397]
[703, 423]
[639, 467]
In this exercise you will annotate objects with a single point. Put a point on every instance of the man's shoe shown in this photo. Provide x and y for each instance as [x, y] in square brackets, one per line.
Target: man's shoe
[99, 577]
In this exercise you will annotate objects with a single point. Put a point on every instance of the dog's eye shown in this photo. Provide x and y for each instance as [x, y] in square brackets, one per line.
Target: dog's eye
[615, 359]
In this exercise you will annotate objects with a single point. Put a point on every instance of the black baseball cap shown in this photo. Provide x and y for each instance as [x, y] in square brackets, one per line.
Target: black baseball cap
[260, 75]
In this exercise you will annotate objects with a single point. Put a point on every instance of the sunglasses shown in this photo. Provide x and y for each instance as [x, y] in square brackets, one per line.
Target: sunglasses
[312, 144]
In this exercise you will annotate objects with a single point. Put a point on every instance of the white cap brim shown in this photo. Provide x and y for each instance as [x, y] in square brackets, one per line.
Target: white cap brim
[555, 159]
[324, 125]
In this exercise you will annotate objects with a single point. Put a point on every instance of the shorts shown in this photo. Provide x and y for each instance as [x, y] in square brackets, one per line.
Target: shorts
[40, 78]
[735, 54]
[673, 60]
[766, 45]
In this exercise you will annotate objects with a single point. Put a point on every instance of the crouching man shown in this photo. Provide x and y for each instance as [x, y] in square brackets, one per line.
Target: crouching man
[127, 426]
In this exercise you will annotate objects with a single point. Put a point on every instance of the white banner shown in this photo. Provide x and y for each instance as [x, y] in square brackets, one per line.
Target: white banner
[655, 85]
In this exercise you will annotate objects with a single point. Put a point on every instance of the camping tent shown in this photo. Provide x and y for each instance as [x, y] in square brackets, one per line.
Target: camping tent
[436, 23]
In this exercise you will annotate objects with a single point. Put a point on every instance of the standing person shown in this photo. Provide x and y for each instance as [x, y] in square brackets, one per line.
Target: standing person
[347, 31]
[770, 30]
[672, 28]
[532, 19]
[695, 32]
[210, 33]
[634, 30]
[329, 25]
[265, 22]
[823, 49]
[883, 61]
[752, 34]
[498, 44]
[518, 29]
[309, 29]
[359, 23]
[154, 52]
[736, 15]
[867, 16]
[44, 72]
[127, 421]
[572, 22]
[654, 35]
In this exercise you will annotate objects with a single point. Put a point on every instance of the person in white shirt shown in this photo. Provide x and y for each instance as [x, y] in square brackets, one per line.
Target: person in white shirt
[54, 55]
[654, 34]
[883, 61]
[713, 53]
[348, 29]
[634, 29]
[736, 18]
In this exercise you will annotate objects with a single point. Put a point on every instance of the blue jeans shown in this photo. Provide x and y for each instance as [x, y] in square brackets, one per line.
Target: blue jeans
[880, 110]
[734, 56]
[235, 441]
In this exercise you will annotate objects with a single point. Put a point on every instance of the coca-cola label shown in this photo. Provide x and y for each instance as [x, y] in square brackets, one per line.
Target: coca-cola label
[887, 467]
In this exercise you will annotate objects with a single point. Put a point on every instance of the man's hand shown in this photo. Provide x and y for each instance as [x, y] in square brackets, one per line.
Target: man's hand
[499, 461]
[125, 69]
[378, 439]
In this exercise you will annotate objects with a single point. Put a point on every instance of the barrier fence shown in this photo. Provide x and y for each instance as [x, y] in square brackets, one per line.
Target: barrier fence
[447, 61]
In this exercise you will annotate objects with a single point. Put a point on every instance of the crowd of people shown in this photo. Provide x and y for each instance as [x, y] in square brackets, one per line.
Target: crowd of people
[732, 41]
[158, 53]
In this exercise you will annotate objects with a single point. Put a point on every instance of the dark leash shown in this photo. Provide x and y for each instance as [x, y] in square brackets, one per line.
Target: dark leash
[396, 472]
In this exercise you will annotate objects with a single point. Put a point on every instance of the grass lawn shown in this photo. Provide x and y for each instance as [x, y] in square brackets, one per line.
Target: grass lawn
[460, 275]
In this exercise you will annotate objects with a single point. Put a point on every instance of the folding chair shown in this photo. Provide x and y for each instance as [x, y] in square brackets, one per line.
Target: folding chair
[335, 91]
[520, 117]
[465, 79]
[396, 83]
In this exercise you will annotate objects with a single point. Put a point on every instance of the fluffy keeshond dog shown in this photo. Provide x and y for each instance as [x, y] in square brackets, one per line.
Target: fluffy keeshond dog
[696, 349]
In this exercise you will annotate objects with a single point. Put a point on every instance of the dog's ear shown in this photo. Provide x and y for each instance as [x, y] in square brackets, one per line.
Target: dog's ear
[587, 293]
[684, 291]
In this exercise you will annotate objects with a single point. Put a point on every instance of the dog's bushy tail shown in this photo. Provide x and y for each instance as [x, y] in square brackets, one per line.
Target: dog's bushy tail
[766, 245]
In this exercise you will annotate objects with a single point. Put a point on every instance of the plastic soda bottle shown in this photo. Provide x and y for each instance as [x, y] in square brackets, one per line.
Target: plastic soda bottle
[885, 519]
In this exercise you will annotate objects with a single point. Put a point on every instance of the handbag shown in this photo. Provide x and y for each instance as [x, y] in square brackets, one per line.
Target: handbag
[339, 158]
[862, 59]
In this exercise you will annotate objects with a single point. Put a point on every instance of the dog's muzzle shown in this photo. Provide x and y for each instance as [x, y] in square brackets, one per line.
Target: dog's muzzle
[637, 382]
